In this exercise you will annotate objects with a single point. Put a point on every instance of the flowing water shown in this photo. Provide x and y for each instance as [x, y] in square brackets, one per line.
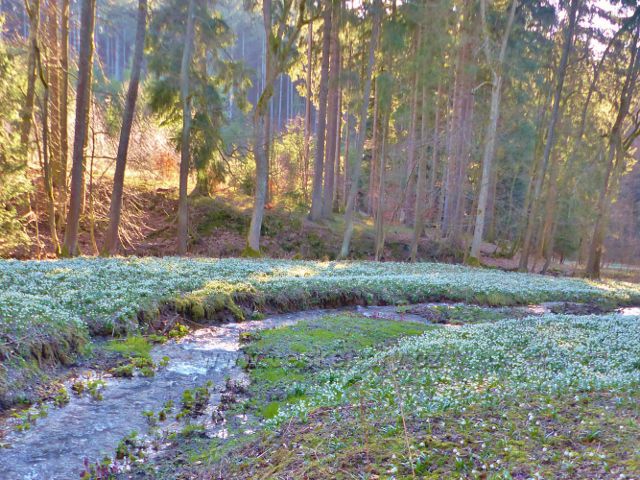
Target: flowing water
[56, 445]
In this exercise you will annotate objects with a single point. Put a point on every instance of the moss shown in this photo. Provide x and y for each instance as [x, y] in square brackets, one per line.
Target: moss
[132, 346]
[249, 252]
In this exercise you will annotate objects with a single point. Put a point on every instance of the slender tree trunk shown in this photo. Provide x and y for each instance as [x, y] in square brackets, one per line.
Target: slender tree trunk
[321, 121]
[562, 69]
[409, 199]
[379, 220]
[459, 135]
[375, 150]
[261, 141]
[338, 185]
[348, 167]
[307, 114]
[33, 11]
[53, 76]
[278, 47]
[47, 167]
[492, 126]
[185, 145]
[83, 102]
[111, 237]
[432, 203]
[421, 183]
[332, 114]
[362, 132]
[61, 174]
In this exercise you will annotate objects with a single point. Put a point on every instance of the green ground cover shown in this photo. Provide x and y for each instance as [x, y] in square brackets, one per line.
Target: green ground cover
[342, 397]
[49, 309]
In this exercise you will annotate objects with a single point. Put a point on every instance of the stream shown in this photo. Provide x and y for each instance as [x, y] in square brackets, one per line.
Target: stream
[56, 445]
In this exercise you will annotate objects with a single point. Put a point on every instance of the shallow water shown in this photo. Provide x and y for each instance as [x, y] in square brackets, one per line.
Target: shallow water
[55, 446]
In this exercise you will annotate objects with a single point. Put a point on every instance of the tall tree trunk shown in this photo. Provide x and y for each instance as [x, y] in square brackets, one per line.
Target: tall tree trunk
[421, 182]
[375, 150]
[307, 114]
[432, 203]
[111, 238]
[332, 113]
[379, 219]
[409, 183]
[185, 146]
[46, 166]
[61, 174]
[321, 120]
[277, 48]
[53, 77]
[362, 132]
[562, 70]
[83, 102]
[459, 136]
[348, 167]
[492, 126]
[261, 140]
[338, 186]
[33, 11]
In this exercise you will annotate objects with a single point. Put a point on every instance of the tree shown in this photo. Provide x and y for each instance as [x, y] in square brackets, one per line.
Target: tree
[620, 140]
[13, 177]
[83, 101]
[111, 237]
[321, 119]
[279, 56]
[550, 142]
[33, 11]
[333, 106]
[185, 144]
[60, 175]
[362, 131]
[191, 75]
[496, 65]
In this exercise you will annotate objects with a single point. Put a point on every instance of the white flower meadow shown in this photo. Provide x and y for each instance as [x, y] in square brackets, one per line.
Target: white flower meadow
[42, 297]
[485, 363]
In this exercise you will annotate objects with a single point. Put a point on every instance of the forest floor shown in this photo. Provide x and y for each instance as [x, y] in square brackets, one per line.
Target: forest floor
[219, 224]
[349, 397]
[368, 395]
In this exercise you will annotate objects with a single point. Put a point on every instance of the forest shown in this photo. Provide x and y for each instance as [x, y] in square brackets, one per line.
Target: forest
[312, 239]
[493, 132]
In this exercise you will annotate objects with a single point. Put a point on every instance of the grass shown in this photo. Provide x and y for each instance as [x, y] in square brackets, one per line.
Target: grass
[286, 360]
[50, 309]
[347, 397]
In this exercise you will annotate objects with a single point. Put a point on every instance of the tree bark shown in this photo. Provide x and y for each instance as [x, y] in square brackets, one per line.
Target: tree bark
[492, 127]
[409, 200]
[332, 113]
[307, 114]
[53, 77]
[261, 113]
[362, 132]
[61, 174]
[111, 238]
[321, 121]
[185, 146]
[459, 136]
[46, 160]
[83, 102]
[33, 11]
[261, 140]
[562, 69]
[379, 219]
[421, 183]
